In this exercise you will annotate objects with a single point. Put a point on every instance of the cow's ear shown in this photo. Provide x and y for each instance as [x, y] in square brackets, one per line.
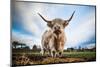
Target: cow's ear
[65, 23]
[50, 24]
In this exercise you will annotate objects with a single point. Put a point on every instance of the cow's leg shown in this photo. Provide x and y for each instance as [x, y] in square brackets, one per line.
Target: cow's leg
[49, 52]
[60, 53]
[53, 53]
[43, 52]
[61, 48]
[52, 48]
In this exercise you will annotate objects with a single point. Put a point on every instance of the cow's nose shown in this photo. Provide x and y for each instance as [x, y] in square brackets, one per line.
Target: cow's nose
[57, 28]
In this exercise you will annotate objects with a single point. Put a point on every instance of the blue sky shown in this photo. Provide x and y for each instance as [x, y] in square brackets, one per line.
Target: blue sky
[28, 27]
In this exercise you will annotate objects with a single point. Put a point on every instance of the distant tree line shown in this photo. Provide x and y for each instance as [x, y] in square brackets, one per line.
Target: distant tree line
[80, 49]
[21, 46]
[17, 45]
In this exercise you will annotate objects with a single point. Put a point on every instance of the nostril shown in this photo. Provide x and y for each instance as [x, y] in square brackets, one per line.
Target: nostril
[55, 28]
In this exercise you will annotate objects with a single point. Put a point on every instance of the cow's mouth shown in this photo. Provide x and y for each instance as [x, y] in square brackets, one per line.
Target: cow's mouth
[57, 31]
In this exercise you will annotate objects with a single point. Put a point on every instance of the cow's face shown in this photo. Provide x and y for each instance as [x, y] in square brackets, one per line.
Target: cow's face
[57, 25]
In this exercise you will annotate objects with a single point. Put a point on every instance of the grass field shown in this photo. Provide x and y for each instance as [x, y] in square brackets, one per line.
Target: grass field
[34, 58]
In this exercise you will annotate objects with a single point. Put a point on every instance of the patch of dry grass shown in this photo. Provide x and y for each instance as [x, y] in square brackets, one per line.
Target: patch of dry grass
[36, 58]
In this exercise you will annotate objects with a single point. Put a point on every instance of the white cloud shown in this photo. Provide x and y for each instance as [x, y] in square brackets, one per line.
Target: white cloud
[28, 13]
[89, 46]
[82, 32]
[26, 39]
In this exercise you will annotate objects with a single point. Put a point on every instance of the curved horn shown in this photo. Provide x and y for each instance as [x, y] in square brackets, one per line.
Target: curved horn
[43, 18]
[71, 17]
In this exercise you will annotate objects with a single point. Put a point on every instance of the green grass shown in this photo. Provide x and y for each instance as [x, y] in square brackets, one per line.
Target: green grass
[80, 54]
[65, 54]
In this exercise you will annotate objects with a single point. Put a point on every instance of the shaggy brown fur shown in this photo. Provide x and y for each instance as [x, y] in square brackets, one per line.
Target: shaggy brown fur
[53, 40]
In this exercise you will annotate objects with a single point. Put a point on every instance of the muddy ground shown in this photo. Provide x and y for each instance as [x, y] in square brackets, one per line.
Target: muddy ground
[20, 60]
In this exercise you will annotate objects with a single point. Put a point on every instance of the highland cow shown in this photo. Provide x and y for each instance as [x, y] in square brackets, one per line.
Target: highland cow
[53, 40]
